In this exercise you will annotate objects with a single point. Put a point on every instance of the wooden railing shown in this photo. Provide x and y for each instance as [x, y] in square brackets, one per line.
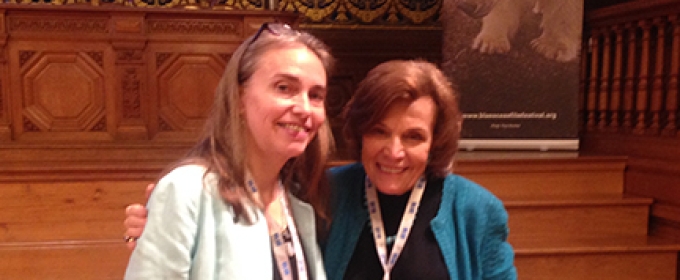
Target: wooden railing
[629, 99]
[630, 76]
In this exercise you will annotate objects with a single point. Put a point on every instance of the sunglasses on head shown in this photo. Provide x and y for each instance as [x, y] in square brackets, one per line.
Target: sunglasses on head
[274, 28]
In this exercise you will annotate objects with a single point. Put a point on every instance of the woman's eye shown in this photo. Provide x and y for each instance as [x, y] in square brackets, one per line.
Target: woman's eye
[317, 96]
[282, 87]
[415, 137]
[377, 131]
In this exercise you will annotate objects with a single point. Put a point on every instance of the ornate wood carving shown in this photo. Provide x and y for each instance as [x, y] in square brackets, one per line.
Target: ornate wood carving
[161, 57]
[24, 56]
[105, 74]
[97, 57]
[100, 125]
[129, 56]
[194, 27]
[29, 126]
[131, 94]
[58, 25]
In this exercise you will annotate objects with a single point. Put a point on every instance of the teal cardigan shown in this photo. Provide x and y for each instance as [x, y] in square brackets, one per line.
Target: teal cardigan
[470, 227]
[191, 234]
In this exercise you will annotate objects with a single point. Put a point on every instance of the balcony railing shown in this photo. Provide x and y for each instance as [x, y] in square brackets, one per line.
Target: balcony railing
[629, 80]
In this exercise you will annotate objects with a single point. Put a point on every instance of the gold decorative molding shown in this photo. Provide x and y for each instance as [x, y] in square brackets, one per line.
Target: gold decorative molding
[338, 12]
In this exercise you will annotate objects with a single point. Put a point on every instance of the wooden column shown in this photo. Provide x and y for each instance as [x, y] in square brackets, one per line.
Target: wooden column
[129, 42]
[672, 93]
[583, 84]
[603, 93]
[615, 100]
[656, 97]
[629, 86]
[5, 119]
[591, 107]
[642, 102]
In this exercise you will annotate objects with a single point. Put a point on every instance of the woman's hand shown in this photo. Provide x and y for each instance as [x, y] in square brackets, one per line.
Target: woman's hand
[135, 220]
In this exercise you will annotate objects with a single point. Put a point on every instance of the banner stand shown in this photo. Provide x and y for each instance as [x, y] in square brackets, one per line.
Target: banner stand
[519, 144]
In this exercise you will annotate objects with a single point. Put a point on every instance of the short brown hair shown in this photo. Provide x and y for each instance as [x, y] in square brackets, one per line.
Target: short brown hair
[405, 80]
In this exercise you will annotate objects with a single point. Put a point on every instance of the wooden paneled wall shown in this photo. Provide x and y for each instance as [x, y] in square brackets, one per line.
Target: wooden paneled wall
[103, 80]
[96, 101]
[629, 99]
[95, 84]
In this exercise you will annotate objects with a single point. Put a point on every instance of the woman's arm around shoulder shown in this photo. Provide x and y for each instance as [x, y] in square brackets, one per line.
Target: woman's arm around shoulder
[164, 250]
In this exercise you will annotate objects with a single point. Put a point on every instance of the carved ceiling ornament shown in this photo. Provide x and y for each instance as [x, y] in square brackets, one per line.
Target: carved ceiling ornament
[418, 10]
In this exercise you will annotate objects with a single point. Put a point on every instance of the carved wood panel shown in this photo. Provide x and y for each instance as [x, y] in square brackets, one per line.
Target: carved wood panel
[58, 91]
[112, 76]
[182, 84]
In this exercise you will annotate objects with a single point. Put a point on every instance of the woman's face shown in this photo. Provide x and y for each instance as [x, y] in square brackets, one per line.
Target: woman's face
[396, 149]
[283, 102]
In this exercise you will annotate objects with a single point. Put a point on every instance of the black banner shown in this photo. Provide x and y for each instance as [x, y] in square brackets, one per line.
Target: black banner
[516, 65]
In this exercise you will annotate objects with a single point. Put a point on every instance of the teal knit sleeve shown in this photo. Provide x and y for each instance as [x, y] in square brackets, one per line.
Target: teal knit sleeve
[497, 253]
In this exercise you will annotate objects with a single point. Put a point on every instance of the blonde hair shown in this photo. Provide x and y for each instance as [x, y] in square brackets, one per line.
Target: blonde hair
[222, 145]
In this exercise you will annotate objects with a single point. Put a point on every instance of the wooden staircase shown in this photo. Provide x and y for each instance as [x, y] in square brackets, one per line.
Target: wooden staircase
[569, 218]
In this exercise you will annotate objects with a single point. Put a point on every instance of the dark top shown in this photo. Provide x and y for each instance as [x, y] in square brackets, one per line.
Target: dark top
[471, 228]
[292, 260]
[421, 257]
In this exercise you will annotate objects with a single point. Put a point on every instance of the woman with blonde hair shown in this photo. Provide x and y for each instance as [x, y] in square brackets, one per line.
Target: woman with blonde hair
[232, 208]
